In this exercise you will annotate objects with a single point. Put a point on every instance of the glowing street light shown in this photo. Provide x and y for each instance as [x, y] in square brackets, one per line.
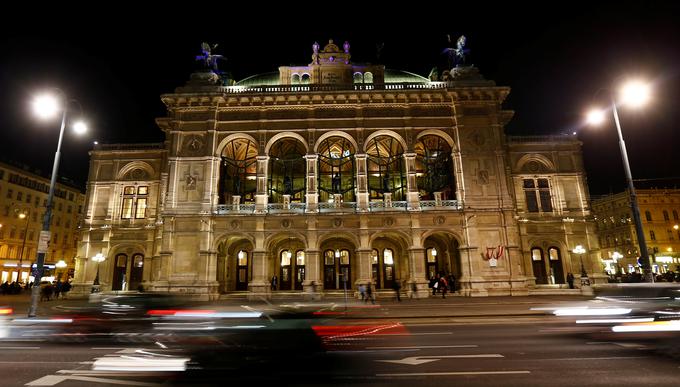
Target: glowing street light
[47, 106]
[579, 250]
[97, 258]
[61, 265]
[633, 94]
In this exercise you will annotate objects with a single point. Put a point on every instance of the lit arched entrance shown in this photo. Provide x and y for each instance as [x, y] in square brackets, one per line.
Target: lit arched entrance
[234, 263]
[442, 255]
[289, 264]
[389, 261]
[338, 259]
[547, 265]
[128, 270]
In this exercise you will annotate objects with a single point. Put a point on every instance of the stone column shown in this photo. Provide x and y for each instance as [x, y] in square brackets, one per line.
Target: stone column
[362, 182]
[313, 281]
[261, 196]
[416, 273]
[364, 275]
[259, 285]
[312, 196]
[412, 196]
[458, 174]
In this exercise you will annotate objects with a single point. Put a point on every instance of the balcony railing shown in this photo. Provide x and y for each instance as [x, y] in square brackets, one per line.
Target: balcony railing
[344, 207]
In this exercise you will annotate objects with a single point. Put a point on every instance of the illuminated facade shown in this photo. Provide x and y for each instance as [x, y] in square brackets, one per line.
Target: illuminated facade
[23, 197]
[659, 209]
[334, 174]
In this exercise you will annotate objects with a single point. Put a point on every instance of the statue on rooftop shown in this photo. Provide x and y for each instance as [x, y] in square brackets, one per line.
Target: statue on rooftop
[209, 60]
[456, 56]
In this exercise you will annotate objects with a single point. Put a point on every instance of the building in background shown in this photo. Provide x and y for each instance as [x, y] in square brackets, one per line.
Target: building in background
[23, 198]
[333, 174]
[659, 212]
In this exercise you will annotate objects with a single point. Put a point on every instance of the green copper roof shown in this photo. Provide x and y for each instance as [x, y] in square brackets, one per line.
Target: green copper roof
[398, 76]
[264, 79]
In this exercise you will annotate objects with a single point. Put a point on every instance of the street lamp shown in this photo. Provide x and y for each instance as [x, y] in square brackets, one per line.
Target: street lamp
[47, 106]
[97, 258]
[634, 94]
[579, 250]
[60, 266]
[22, 215]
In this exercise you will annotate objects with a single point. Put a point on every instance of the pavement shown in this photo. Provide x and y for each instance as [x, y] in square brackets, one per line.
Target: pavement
[386, 305]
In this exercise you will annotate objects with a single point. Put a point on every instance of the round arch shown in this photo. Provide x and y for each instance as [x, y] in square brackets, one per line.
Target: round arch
[279, 136]
[226, 140]
[547, 164]
[146, 167]
[385, 132]
[228, 237]
[335, 133]
[436, 132]
[454, 235]
[353, 239]
[272, 240]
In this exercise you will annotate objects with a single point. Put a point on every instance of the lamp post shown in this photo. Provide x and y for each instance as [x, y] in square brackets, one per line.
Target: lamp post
[616, 256]
[95, 285]
[579, 250]
[634, 94]
[47, 106]
[23, 215]
[60, 266]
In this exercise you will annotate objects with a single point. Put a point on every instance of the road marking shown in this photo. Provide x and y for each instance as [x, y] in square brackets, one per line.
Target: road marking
[417, 360]
[458, 373]
[624, 345]
[19, 347]
[51, 380]
[428, 346]
[593, 358]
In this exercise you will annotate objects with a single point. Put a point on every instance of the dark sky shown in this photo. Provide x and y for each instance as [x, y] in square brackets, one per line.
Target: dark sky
[117, 63]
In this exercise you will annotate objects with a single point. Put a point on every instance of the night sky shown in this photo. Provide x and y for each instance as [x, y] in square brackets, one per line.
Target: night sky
[117, 63]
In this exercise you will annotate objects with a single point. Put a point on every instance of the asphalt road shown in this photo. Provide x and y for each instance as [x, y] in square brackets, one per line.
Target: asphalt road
[494, 351]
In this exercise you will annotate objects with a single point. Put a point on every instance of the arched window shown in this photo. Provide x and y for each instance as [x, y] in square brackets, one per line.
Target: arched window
[434, 169]
[287, 170]
[648, 216]
[305, 79]
[238, 171]
[336, 169]
[665, 215]
[295, 79]
[675, 215]
[368, 77]
[358, 78]
[385, 168]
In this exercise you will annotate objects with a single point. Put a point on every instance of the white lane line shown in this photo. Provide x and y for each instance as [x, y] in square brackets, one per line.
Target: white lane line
[19, 347]
[458, 373]
[428, 346]
[51, 380]
[418, 360]
[593, 358]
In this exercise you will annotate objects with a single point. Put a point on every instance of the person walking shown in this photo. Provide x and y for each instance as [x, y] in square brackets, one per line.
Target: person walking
[369, 293]
[570, 280]
[443, 285]
[274, 282]
[396, 285]
[362, 292]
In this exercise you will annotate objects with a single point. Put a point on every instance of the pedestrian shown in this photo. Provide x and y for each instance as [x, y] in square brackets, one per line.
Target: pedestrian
[57, 290]
[362, 292]
[570, 280]
[396, 285]
[452, 283]
[369, 293]
[65, 289]
[443, 285]
[414, 290]
[274, 282]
